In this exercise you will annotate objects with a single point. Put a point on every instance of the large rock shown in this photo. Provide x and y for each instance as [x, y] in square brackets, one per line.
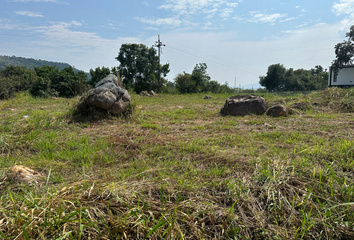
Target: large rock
[242, 105]
[107, 96]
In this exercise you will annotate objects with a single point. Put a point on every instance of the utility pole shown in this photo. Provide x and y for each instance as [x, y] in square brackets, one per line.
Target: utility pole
[159, 44]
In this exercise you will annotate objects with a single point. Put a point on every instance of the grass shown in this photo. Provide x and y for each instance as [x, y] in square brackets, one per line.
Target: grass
[177, 169]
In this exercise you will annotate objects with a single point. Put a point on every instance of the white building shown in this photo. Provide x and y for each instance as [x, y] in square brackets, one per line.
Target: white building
[345, 77]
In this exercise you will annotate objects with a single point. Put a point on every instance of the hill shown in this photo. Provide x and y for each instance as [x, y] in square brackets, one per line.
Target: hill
[30, 63]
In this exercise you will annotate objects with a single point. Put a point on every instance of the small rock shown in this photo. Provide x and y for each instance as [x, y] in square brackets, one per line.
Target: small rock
[152, 93]
[24, 174]
[207, 97]
[279, 111]
[144, 94]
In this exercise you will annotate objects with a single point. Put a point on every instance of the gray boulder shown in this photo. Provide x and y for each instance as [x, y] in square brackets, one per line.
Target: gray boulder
[242, 105]
[107, 96]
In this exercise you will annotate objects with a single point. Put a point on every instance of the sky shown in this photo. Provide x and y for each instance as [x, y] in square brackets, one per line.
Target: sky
[237, 39]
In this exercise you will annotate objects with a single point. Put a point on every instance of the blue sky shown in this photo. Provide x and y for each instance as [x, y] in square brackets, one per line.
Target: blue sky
[236, 38]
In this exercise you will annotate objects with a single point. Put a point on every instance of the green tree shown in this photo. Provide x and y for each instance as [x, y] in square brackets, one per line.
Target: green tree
[198, 81]
[213, 86]
[200, 77]
[139, 68]
[64, 83]
[344, 51]
[98, 74]
[15, 79]
[184, 83]
[275, 79]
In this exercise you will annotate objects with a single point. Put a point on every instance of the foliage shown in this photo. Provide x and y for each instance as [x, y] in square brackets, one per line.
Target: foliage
[53, 82]
[139, 68]
[184, 83]
[15, 79]
[98, 74]
[345, 51]
[199, 81]
[279, 79]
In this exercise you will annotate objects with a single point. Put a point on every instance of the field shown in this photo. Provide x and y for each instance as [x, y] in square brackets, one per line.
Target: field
[176, 169]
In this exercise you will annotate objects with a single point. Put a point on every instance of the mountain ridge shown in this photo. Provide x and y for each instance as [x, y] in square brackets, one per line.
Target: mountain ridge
[30, 63]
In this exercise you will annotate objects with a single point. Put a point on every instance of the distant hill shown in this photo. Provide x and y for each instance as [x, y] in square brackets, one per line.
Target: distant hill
[30, 63]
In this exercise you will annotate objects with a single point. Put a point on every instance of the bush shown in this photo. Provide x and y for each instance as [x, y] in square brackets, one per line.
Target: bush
[15, 79]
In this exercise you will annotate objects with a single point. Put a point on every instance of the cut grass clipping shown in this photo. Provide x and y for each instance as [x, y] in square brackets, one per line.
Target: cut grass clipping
[177, 169]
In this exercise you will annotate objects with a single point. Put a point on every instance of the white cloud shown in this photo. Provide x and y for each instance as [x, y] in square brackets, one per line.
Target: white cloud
[182, 7]
[29, 14]
[7, 24]
[258, 17]
[188, 6]
[58, 42]
[172, 21]
[345, 7]
[225, 13]
[288, 19]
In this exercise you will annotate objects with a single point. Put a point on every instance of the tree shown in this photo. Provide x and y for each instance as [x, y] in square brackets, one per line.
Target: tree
[274, 81]
[98, 74]
[139, 67]
[15, 79]
[198, 81]
[344, 51]
[184, 83]
[200, 77]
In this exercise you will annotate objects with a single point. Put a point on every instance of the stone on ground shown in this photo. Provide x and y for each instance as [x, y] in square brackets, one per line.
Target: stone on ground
[279, 111]
[241, 105]
[106, 96]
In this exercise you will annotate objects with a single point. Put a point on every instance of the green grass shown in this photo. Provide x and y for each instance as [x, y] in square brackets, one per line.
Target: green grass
[177, 169]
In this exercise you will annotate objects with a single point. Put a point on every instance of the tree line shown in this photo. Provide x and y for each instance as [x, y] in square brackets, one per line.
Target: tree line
[43, 81]
[280, 79]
